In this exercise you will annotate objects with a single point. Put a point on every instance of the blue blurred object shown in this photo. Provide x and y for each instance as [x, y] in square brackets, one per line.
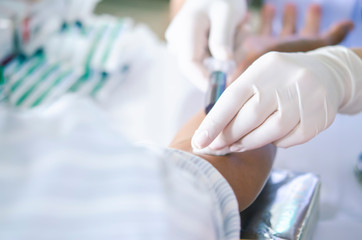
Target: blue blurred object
[219, 71]
[358, 169]
[217, 87]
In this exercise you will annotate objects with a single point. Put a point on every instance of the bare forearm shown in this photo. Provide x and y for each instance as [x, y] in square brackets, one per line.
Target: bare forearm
[357, 51]
[246, 172]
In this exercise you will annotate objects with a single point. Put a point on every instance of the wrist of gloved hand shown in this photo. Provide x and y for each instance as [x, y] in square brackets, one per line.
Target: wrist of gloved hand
[346, 66]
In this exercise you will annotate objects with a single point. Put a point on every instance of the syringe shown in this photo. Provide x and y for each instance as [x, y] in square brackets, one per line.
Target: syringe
[219, 71]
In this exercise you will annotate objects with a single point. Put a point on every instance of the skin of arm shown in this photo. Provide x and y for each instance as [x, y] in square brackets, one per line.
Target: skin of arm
[246, 172]
[357, 51]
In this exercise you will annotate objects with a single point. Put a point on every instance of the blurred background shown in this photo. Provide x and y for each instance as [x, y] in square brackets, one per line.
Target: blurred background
[153, 12]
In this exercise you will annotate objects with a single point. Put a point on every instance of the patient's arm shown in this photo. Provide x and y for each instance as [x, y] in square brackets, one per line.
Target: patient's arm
[246, 172]
[357, 51]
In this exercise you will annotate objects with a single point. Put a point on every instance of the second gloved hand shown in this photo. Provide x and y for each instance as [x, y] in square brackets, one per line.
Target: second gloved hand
[285, 99]
[203, 27]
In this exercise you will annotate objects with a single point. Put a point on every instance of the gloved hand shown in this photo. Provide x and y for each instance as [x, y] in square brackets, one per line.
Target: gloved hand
[203, 27]
[283, 98]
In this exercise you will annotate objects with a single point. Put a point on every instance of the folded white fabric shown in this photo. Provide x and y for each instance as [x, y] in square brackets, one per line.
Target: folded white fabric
[65, 174]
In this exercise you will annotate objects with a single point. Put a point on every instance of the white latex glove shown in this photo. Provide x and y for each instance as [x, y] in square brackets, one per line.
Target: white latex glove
[283, 98]
[203, 27]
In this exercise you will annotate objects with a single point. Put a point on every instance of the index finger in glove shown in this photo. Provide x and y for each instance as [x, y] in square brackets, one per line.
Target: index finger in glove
[225, 109]
[252, 114]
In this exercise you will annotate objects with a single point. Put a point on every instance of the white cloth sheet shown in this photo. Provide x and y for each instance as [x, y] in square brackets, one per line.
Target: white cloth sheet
[66, 174]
